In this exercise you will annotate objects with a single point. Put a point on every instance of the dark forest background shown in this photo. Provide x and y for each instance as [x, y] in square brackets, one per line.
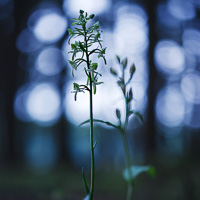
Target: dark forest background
[174, 151]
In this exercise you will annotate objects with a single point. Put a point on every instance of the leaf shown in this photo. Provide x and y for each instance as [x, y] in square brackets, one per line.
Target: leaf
[138, 114]
[91, 52]
[103, 51]
[85, 183]
[94, 88]
[134, 171]
[96, 141]
[87, 197]
[152, 171]
[99, 83]
[100, 121]
[74, 23]
[76, 86]
[71, 32]
[104, 60]
[81, 46]
[96, 25]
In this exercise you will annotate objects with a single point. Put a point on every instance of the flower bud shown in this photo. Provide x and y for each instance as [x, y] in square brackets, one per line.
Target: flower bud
[91, 16]
[113, 72]
[121, 85]
[76, 86]
[130, 94]
[118, 113]
[124, 63]
[94, 66]
[132, 70]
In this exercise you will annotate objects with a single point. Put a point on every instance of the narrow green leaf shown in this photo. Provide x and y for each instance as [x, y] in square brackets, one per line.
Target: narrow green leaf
[96, 141]
[134, 171]
[76, 86]
[71, 32]
[74, 23]
[96, 25]
[100, 121]
[81, 46]
[99, 83]
[94, 87]
[103, 51]
[75, 96]
[85, 182]
[104, 60]
[91, 52]
[152, 171]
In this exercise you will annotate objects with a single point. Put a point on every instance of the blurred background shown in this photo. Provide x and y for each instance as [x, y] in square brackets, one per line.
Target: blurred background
[42, 150]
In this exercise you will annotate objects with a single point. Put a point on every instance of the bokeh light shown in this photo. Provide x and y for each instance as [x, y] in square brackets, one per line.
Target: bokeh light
[167, 20]
[169, 57]
[191, 41]
[26, 42]
[182, 9]
[20, 104]
[170, 106]
[130, 31]
[190, 86]
[43, 104]
[72, 7]
[50, 61]
[48, 25]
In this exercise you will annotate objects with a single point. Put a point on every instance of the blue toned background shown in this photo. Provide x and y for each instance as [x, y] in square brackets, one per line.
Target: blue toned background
[41, 148]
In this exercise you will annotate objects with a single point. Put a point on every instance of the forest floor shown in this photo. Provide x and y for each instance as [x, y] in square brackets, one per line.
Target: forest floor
[175, 182]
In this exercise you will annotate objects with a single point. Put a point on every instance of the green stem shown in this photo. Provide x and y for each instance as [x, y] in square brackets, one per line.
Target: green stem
[91, 122]
[128, 165]
[91, 142]
[126, 150]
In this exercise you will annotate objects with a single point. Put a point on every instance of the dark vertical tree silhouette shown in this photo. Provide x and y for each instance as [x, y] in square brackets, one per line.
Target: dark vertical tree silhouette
[152, 91]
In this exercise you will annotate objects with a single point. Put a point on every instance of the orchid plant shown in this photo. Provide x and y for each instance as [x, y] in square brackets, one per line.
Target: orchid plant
[131, 171]
[89, 44]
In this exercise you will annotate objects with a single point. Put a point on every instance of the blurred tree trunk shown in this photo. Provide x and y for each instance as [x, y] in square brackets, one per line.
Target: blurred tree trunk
[8, 73]
[152, 91]
[12, 76]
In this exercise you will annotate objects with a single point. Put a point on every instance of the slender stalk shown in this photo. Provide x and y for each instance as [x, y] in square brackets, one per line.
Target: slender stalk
[91, 121]
[91, 143]
[90, 36]
[128, 165]
[126, 150]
